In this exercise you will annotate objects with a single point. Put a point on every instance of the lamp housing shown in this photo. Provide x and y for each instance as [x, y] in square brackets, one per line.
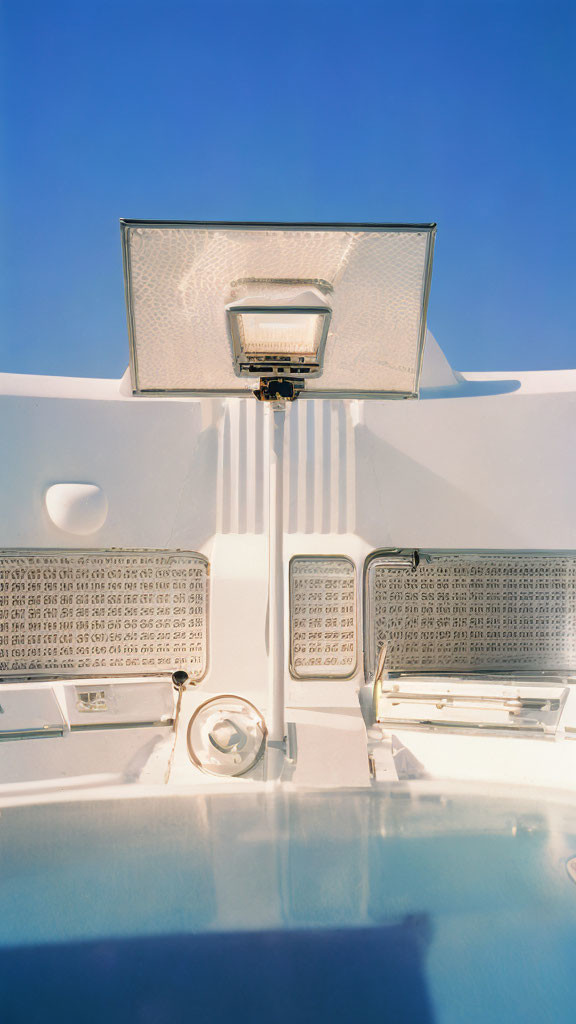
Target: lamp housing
[279, 339]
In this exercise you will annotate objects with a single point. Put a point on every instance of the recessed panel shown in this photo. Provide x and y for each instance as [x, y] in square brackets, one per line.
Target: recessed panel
[27, 713]
[456, 612]
[322, 617]
[181, 277]
[103, 612]
[96, 703]
[477, 701]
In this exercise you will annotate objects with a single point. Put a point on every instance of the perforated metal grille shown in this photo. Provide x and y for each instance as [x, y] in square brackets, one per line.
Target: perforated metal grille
[181, 277]
[322, 617]
[461, 612]
[113, 613]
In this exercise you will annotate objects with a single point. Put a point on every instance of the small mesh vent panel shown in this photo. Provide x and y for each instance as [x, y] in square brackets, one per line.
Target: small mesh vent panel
[322, 617]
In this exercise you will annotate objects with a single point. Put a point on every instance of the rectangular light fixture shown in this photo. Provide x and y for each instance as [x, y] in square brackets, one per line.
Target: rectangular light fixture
[211, 306]
[475, 702]
[278, 340]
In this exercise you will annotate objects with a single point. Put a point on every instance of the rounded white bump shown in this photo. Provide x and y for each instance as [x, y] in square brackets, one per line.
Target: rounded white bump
[77, 508]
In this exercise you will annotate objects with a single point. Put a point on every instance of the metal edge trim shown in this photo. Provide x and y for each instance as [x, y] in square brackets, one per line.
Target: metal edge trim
[424, 307]
[253, 225]
[131, 323]
[317, 310]
[247, 393]
[33, 734]
[115, 726]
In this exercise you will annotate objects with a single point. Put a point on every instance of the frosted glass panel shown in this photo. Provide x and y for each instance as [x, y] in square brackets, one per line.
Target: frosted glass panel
[181, 277]
[102, 612]
[322, 617]
[459, 612]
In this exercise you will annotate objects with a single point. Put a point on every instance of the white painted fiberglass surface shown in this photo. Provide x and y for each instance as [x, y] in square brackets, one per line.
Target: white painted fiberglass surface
[299, 906]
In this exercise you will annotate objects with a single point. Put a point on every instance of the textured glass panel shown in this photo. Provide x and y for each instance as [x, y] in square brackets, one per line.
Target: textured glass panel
[181, 277]
[322, 617]
[29, 712]
[461, 612]
[100, 612]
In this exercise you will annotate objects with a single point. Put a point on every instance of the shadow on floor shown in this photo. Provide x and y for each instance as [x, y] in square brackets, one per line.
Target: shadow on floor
[313, 975]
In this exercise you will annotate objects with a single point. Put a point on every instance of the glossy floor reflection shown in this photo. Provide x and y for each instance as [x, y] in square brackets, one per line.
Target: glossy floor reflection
[397, 903]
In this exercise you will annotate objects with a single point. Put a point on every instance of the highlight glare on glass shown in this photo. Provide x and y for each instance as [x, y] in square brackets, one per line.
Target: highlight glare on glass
[280, 332]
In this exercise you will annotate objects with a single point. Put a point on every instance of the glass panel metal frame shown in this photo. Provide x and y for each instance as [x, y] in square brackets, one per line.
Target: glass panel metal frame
[409, 558]
[138, 390]
[322, 674]
[107, 670]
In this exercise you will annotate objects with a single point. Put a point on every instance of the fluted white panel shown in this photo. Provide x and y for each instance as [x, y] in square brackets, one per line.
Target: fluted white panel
[319, 468]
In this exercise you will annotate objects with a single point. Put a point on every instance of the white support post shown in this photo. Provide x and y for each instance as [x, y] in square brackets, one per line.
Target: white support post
[276, 660]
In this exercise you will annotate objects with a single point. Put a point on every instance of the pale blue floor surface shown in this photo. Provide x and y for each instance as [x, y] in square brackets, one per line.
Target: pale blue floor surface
[297, 907]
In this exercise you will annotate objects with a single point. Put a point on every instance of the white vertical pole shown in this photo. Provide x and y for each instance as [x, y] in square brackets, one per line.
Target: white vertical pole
[276, 726]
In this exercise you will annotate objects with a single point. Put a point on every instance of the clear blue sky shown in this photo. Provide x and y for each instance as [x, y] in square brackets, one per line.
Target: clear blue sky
[462, 113]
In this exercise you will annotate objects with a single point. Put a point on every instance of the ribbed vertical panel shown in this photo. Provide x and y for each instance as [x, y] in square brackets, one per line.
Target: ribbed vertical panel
[223, 489]
[319, 467]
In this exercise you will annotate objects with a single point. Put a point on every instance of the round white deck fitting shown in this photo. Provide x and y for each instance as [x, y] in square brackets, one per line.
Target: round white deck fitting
[77, 508]
[226, 735]
[571, 868]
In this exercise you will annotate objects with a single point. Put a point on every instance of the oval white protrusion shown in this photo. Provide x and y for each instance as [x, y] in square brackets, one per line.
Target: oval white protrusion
[77, 508]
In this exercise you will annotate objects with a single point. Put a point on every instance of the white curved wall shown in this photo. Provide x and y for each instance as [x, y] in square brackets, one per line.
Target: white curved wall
[481, 461]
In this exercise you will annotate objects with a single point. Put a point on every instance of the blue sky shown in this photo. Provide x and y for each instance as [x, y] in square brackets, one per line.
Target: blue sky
[461, 113]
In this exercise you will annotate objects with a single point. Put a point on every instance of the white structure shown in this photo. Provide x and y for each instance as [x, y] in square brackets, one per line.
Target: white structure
[479, 463]
[111, 501]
